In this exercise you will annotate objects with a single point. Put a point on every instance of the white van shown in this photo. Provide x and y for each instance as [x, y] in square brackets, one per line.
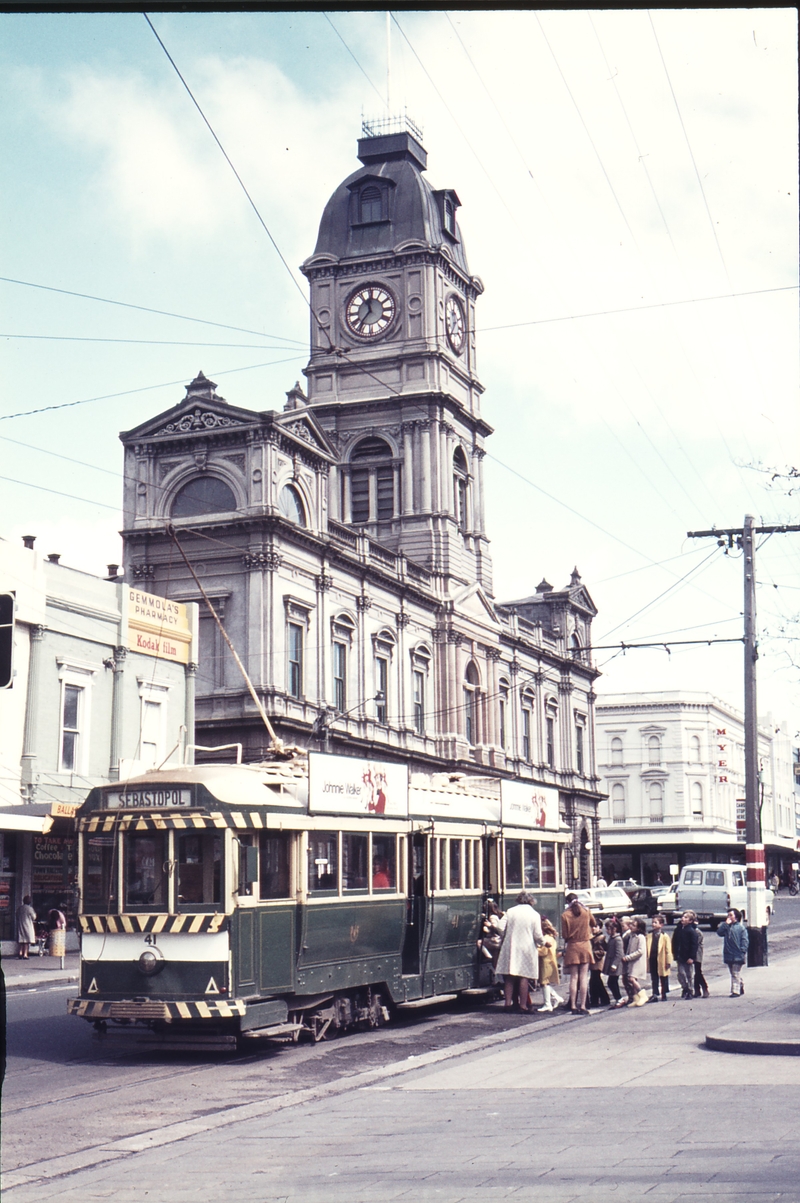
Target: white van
[711, 890]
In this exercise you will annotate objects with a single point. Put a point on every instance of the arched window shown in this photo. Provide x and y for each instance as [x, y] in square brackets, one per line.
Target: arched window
[526, 732]
[695, 750]
[550, 734]
[371, 206]
[618, 802]
[654, 749]
[505, 690]
[291, 506]
[471, 683]
[203, 495]
[383, 647]
[697, 799]
[460, 486]
[343, 631]
[656, 792]
[371, 482]
[616, 750]
[420, 669]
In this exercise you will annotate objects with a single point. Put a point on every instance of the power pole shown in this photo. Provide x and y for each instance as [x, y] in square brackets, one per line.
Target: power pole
[754, 848]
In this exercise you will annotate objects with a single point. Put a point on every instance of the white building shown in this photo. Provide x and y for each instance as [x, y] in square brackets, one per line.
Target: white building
[99, 692]
[673, 767]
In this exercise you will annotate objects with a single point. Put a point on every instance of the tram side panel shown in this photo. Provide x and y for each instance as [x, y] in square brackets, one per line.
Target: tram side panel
[351, 943]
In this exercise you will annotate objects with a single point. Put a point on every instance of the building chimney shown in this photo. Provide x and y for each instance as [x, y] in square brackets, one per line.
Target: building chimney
[29, 541]
[113, 571]
[54, 557]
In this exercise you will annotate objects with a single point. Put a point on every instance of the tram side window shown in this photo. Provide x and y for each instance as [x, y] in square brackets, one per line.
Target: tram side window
[323, 861]
[274, 862]
[531, 857]
[199, 869]
[354, 861]
[100, 877]
[548, 855]
[384, 863]
[442, 864]
[477, 880]
[456, 881]
[513, 864]
[145, 878]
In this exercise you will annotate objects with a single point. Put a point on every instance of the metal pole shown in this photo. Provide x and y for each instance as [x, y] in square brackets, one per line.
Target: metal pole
[756, 899]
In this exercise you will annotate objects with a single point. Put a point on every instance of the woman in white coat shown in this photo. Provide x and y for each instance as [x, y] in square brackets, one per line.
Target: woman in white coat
[519, 960]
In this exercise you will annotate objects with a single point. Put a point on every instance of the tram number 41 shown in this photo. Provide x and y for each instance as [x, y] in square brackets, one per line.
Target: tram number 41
[149, 938]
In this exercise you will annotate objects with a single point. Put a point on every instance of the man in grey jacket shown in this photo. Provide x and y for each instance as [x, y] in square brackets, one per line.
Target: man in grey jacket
[684, 951]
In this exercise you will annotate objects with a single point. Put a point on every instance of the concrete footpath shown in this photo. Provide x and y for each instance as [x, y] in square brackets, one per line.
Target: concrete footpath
[614, 1108]
[38, 972]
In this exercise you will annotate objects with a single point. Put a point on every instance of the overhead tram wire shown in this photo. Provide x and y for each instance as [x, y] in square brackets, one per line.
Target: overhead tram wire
[85, 296]
[353, 57]
[27, 413]
[147, 342]
[682, 581]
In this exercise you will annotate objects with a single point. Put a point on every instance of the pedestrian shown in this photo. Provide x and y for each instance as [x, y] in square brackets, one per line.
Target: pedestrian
[601, 882]
[598, 995]
[700, 983]
[612, 965]
[775, 882]
[635, 962]
[576, 928]
[684, 951]
[492, 928]
[734, 950]
[518, 960]
[659, 959]
[26, 930]
[548, 967]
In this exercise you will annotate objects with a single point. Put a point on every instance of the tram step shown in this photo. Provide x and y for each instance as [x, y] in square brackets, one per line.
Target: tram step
[430, 1001]
[277, 1029]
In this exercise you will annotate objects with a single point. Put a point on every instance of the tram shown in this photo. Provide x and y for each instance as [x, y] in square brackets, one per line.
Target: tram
[297, 897]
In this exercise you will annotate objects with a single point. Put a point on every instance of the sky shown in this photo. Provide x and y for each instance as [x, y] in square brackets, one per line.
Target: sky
[628, 183]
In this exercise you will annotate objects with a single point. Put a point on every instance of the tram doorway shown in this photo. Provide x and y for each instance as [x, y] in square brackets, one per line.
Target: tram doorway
[415, 905]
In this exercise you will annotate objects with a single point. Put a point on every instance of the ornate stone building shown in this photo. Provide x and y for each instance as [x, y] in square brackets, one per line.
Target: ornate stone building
[342, 540]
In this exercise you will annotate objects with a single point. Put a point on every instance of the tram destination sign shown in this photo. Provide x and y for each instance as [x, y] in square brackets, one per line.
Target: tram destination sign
[148, 799]
[528, 805]
[343, 785]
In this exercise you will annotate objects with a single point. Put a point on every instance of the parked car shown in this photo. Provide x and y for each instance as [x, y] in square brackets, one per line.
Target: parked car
[645, 900]
[605, 900]
[625, 883]
[710, 891]
[667, 902]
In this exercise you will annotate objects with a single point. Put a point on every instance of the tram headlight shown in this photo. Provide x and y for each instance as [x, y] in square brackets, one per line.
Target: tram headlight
[151, 962]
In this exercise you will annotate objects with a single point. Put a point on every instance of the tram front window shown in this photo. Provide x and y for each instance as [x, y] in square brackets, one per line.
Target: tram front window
[384, 866]
[99, 874]
[323, 862]
[274, 866]
[145, 878]
[199, 869]
[354, 861]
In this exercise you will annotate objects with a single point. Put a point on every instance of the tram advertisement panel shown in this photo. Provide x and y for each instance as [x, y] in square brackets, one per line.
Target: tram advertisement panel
[431, 804]
[529, 805]
[343, 785]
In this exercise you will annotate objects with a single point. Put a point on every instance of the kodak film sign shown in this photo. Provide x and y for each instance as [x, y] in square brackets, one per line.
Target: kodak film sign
[158, 627]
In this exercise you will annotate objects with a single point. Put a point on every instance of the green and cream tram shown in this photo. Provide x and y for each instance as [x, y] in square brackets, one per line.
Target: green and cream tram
[303, 895]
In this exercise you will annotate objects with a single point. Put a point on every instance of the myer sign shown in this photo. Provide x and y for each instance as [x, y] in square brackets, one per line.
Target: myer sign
[158, 627]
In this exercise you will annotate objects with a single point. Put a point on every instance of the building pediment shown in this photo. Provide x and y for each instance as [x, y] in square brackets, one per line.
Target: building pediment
[580, 598]
[301, 427]
[201, 411]
[474, 602]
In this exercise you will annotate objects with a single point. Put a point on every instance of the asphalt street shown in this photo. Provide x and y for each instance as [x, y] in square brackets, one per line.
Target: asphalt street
[454, 1105]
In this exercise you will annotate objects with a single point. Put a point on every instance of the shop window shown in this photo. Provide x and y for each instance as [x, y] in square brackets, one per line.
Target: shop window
[384, 863]
[323, 862]
[199, 869]
[145, 875]
[354, 861]
[274, 866]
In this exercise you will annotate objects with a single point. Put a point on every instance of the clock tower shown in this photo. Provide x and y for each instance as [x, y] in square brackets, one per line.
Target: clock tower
[392, 377]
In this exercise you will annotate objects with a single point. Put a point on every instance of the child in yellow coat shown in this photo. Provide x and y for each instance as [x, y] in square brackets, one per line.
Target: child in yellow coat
[659, 959]
[548, 967]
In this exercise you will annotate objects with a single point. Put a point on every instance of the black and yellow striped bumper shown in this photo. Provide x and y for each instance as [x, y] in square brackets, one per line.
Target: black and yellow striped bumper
[87, 1008]
[117, 924]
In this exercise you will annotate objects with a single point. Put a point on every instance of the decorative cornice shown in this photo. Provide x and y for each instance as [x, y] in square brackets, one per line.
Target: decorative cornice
[363, 602]
[402, 620]
[197, 419]
[269, 561]
[143, 570]
[323, 582]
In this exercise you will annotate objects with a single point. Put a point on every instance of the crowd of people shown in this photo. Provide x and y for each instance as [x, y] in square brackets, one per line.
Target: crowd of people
[607, 963]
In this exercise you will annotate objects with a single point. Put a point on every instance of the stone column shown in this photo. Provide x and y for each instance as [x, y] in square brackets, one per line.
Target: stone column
[425, 499]
[449, 451]
[117, 705]
[190, 676]
[347, 514]
[33, 701]
[334, 496]
[478, 518]
[408, 468]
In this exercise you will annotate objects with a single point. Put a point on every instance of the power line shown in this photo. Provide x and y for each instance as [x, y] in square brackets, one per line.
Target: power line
[147, 342]
[681, 581]
[85, 296]
[72, 497]
[353, 57]
[27, 413]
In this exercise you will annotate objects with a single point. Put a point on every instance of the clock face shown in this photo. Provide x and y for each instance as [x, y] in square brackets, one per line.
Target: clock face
[370, 311]
[455, 324]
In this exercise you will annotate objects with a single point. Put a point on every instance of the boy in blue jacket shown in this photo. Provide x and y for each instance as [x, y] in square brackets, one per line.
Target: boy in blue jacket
[734, 952]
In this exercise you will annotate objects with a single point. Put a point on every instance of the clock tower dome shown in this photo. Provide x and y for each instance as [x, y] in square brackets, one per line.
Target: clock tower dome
[392, 376]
